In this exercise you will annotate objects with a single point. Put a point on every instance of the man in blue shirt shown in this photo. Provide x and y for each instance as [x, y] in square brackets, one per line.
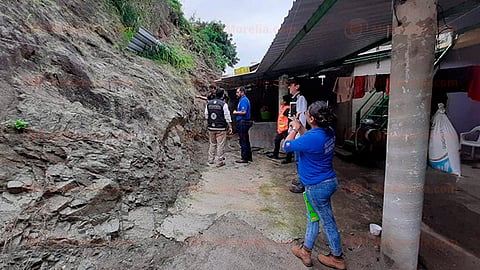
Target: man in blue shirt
[243, 117]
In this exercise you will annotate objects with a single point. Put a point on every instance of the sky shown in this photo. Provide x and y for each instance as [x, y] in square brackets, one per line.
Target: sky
[252, 23]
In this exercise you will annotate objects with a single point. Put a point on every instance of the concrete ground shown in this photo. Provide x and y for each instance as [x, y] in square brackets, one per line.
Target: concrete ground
[242, 216]
[451, 217]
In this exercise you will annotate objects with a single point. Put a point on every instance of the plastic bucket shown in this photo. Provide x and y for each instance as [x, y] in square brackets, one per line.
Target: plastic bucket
[375, 229]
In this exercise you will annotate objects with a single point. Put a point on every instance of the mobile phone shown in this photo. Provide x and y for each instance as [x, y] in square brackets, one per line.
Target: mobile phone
[293, 109]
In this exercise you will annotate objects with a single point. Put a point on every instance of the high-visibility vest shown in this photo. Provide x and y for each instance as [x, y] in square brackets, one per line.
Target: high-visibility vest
[282, 121]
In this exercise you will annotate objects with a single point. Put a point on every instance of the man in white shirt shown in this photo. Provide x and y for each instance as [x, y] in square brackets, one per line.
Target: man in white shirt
[219, 121]
[298, 107]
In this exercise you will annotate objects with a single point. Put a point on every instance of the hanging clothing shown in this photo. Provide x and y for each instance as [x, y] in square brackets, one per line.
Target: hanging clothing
[359, 86]
[382, 83]
[474, 84]
[344, 89]
[387, 87]
[451, 80]
[370, 83]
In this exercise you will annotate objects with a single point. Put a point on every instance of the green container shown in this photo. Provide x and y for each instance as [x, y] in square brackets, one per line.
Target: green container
[313, 215]
[265, 115]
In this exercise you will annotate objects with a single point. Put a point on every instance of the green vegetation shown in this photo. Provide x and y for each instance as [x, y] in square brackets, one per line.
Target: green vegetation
[19, 125]
[128, 33]
[207, 40]
[272, 211]
[131, 18]
[167, 54]
[211, 40]
[266, 188]
[176, 14]
[280, 225]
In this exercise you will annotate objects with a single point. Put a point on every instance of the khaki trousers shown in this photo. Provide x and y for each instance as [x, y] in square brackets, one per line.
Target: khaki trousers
[216, 151]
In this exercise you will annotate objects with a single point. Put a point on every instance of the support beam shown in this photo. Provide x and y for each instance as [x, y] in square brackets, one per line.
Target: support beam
[413, 46]
[282, 88]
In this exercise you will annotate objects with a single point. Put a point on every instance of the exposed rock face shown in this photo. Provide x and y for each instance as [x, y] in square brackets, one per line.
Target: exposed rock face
[108, 132]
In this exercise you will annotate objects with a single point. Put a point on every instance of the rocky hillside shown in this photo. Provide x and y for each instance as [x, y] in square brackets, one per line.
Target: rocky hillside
[110, 136]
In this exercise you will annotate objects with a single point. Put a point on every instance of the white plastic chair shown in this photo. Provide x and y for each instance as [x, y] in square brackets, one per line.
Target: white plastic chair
[471, 138]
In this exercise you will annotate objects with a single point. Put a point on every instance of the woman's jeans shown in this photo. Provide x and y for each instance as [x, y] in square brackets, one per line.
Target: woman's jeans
[243, 126]
[319, 197]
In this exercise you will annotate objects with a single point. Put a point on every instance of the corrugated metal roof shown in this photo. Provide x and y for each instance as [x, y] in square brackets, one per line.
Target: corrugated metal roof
[346, 28]
[317, 33]
[461, 15]
[301, 12]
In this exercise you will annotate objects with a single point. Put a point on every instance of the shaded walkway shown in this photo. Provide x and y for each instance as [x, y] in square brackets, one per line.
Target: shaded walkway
[243, 217]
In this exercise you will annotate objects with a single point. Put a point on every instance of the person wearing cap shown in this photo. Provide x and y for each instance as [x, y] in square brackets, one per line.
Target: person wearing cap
[244, 122]
[297, 112]
[315, 150]
[219, 122]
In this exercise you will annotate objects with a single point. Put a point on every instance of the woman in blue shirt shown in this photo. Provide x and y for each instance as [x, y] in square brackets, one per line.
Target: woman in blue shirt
[315, 148]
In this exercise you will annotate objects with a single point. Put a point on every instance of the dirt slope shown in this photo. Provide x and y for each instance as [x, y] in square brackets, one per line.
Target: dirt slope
[110, 134]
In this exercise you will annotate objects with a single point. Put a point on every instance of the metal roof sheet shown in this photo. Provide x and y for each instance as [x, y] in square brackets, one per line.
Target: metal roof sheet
[317, 33]
[346, 28]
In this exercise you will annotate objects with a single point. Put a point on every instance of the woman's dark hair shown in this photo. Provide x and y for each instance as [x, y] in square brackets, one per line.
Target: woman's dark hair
[322, 113]
[287, 98]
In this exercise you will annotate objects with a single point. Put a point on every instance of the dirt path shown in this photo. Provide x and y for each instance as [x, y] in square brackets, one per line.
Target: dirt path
[243, 217]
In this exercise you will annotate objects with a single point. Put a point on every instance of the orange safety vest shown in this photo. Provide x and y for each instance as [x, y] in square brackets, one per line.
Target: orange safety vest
[282, 121]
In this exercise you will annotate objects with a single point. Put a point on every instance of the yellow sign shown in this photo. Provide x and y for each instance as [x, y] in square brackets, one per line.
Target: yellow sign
[241, 70]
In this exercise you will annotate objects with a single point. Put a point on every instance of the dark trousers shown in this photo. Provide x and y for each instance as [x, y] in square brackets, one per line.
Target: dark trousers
[278, 139]
[243, 126]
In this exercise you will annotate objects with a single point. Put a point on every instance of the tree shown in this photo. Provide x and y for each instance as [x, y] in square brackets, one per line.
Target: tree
[210, 38]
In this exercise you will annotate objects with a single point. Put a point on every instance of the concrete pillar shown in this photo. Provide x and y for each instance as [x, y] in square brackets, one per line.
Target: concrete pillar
[282, 88]
[413, 45]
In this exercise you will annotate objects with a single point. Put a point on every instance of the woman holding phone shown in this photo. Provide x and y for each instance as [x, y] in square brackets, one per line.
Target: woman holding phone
[315, 166]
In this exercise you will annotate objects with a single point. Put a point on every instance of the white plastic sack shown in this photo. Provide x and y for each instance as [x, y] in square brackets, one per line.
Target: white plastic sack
[444, 146]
